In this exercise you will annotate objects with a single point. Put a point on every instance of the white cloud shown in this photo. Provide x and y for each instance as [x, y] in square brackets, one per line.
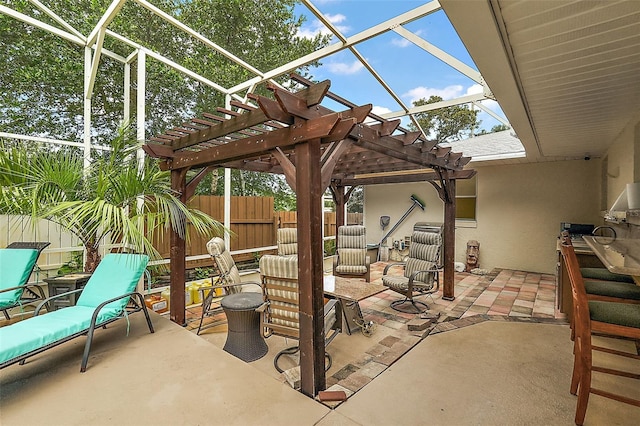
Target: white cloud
[344, 68]
[489, 103]
[476, 88]
[400, 42]
[421, 92]
[335, 19]
[316, 27]
[380, 110]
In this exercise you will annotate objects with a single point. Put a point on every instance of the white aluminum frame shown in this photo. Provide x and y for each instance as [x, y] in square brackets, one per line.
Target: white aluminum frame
[93, 44]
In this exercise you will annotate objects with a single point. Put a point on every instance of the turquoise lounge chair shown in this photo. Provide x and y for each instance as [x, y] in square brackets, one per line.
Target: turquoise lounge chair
[16, 265]
[104, 299]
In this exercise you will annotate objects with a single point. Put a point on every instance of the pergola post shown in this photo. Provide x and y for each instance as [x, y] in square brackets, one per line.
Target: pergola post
[310, 280]
[177, 254]
[448, 285]
[340, 200]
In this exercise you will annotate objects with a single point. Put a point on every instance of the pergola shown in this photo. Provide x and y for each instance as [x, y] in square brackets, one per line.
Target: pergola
[315, 148]
[292, 134]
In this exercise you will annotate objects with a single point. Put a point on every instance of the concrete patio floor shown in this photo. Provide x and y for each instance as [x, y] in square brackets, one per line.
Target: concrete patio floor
[476, 366]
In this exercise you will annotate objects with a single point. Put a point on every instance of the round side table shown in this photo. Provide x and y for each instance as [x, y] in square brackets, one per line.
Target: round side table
[244, 339]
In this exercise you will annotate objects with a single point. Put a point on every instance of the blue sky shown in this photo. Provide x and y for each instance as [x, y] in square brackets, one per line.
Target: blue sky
[410, 71]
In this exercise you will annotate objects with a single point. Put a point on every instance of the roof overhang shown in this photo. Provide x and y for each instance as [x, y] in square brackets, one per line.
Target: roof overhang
[566, 73]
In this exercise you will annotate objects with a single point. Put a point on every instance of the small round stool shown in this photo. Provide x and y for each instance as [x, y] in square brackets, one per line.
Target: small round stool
[244, 340]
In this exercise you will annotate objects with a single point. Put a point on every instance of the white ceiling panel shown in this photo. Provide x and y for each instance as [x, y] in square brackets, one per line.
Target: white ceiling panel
[570, 80]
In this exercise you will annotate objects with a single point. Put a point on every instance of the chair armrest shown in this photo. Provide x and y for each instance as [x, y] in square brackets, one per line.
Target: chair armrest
[46, 301]
[336, 306]
[329, 306]
[264, 327]
[386, 268]
[24, 286]
[97, 310]
[434, 271]
[263, 307]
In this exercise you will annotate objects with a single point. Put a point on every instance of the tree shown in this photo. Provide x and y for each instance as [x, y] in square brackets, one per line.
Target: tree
[356, 201]
[41, 92]
[98, 201]
[499, 128]
[494, 129]
[445, 124]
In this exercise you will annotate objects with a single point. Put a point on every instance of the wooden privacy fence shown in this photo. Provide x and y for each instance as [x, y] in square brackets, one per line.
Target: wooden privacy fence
[253, 225]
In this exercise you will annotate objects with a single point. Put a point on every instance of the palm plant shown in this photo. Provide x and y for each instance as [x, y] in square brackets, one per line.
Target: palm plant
[99, 200]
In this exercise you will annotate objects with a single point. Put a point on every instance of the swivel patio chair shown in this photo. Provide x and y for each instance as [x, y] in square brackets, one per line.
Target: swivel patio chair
[17, 262]
[280, 313]
[420, 275]
[619, 320]
[227, 281]
[287, 240]
[351, 253]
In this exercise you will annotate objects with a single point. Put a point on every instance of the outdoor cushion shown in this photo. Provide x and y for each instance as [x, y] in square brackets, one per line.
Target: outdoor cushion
[228, 270]
[115, 276]
[613, 289]
[16, 266]
[605, 275]
[283, 294]
[351, 252]
[624, 314]
[287, 241]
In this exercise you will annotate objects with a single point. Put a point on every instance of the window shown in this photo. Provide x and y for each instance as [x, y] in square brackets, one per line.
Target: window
[466, 198]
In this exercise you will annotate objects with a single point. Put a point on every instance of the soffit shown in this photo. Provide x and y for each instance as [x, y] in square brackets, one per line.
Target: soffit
[566, 73]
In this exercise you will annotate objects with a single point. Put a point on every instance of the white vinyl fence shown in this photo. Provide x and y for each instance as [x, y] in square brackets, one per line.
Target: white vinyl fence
[58, 253]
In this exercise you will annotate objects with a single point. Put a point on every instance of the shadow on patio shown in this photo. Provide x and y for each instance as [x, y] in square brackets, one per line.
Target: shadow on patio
[498, 355]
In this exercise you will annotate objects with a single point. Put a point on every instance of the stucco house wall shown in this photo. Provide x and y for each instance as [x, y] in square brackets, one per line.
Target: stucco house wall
[520, 206]
[519, 210]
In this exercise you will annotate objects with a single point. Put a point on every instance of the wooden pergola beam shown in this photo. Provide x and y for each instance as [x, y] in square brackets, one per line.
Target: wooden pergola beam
[313, 147]
[404, 178]
[254, 145]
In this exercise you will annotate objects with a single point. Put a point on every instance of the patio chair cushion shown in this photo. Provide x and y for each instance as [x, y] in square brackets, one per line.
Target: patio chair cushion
[16, 266]
[613, 289]
[352, 236]
[287, 241]
[624, 314]
[401, 283]
[283, 294]
[351, 252]
[229, 272]
[116, 275]
[605, 275]
[36, 332]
